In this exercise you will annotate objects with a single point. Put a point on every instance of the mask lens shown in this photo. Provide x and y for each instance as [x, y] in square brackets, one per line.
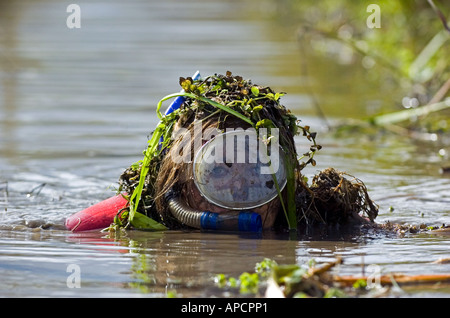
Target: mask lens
[236, 170]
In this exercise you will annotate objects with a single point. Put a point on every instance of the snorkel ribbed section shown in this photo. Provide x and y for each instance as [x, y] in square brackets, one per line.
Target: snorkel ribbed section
[245, 221]
[185, 214]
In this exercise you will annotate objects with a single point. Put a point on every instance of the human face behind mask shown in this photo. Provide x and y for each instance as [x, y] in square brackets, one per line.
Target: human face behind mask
[230, 176]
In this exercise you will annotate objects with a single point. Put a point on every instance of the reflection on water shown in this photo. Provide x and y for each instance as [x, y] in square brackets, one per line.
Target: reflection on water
[153, 264]
[77, 105]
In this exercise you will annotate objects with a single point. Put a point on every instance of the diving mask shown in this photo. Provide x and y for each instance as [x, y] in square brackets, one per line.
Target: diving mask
[238, 170]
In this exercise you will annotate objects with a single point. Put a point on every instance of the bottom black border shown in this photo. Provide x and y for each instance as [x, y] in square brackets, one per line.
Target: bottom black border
[227, 306]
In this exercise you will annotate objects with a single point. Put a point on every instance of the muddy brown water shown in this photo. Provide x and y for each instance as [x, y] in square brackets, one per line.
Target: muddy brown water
[77, 105]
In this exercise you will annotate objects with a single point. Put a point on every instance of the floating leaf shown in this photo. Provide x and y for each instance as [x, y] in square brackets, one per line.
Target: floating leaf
[257, 108]
[143, 222]
[185, 84]
[267, 123]
[255, 91]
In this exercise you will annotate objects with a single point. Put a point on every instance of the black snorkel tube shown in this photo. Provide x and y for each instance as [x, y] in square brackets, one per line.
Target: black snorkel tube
[245, 221]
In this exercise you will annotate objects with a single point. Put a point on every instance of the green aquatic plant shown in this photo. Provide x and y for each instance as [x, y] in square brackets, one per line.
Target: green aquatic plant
[227, 95]
[289, 280]
[248, 283]
[409, 114]
[409, 50]
[265, 267]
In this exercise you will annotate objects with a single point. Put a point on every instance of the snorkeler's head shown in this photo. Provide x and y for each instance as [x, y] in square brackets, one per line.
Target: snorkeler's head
[236, 170]
[228, 147]
[195, 169]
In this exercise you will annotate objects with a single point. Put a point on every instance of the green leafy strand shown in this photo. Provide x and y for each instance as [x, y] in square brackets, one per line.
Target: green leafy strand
[161, 129]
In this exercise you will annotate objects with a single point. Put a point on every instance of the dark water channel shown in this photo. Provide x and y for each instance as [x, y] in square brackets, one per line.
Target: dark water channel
[77, 105]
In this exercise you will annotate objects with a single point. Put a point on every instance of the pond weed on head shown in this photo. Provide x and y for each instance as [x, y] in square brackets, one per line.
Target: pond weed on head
[212, 107]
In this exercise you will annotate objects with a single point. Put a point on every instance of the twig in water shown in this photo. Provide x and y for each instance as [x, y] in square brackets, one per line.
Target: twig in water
[440, 15]
[440, 94]
[36, 190]
[400, 279]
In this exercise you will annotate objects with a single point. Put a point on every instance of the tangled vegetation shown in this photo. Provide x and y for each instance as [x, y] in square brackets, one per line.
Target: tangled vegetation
[331, 198]
[335, 199]
[223, 95]
[272, 280]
